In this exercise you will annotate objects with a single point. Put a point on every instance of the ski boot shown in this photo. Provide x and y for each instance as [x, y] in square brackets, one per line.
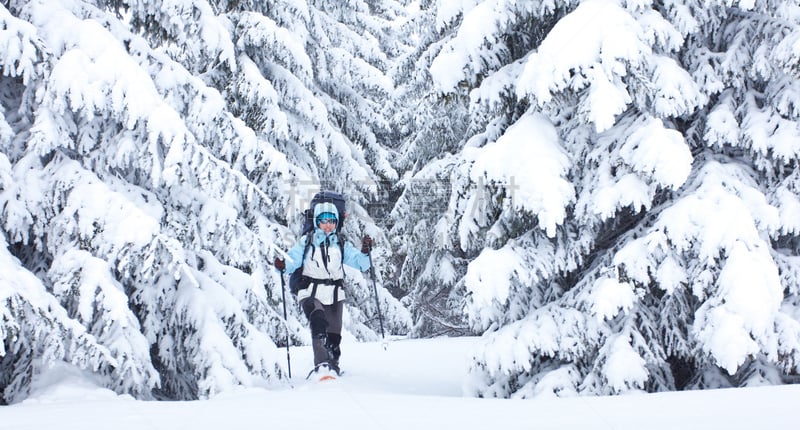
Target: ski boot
[334, 351]
[323, 372]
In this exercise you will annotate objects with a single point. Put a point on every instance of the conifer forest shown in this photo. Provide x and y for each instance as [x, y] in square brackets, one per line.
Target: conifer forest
[606, 192]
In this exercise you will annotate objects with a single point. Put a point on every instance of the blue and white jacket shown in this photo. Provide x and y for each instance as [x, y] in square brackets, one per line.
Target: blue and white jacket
[324, 261]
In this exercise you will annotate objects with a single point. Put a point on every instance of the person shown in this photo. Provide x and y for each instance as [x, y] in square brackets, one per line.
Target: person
[321, 294]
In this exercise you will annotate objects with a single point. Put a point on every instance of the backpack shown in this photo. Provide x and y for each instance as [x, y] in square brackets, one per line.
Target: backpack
[297, 281]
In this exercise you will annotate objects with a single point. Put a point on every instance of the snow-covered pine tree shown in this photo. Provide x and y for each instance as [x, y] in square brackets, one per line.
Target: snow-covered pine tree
[111, 169]
[629, 190]
[147, 197]
[429, 125]
[36, 331]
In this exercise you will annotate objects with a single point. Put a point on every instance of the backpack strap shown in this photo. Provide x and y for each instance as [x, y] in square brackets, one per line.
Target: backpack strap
[341, 252]
[309, 237]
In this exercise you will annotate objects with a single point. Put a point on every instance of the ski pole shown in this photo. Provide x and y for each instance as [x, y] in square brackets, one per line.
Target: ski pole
[377, 302]
[286, 324]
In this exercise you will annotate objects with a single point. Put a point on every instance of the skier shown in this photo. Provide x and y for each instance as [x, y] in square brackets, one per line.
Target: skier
[320, 291]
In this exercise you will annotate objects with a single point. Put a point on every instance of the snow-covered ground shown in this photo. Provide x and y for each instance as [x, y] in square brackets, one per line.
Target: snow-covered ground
[410, 385]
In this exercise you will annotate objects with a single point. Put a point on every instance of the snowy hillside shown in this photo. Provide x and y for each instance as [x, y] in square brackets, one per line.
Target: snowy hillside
[412, 384]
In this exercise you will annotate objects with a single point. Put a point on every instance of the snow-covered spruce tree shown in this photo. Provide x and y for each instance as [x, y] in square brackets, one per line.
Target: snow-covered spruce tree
[630, 192]
[36, 330]
[121, 197]
[144, 201]
[429, 125]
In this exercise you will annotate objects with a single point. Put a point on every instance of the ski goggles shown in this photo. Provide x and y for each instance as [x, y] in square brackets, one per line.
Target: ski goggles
[326, 218]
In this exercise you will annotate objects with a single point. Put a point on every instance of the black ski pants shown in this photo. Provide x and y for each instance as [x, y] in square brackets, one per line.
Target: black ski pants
[326, 329]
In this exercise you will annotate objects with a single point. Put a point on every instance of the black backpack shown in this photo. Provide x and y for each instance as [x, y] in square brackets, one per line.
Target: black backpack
[297, 281]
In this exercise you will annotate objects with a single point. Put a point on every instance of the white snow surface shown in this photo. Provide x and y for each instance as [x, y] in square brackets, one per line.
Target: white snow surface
[409, 384]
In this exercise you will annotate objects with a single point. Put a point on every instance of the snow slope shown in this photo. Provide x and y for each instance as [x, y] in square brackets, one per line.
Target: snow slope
[412, 384]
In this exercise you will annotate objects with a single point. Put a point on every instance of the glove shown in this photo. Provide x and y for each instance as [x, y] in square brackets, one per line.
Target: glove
[280, 264]
[366, 244]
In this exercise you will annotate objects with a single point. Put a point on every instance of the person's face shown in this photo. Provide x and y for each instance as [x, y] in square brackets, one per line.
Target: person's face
[327, 225]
